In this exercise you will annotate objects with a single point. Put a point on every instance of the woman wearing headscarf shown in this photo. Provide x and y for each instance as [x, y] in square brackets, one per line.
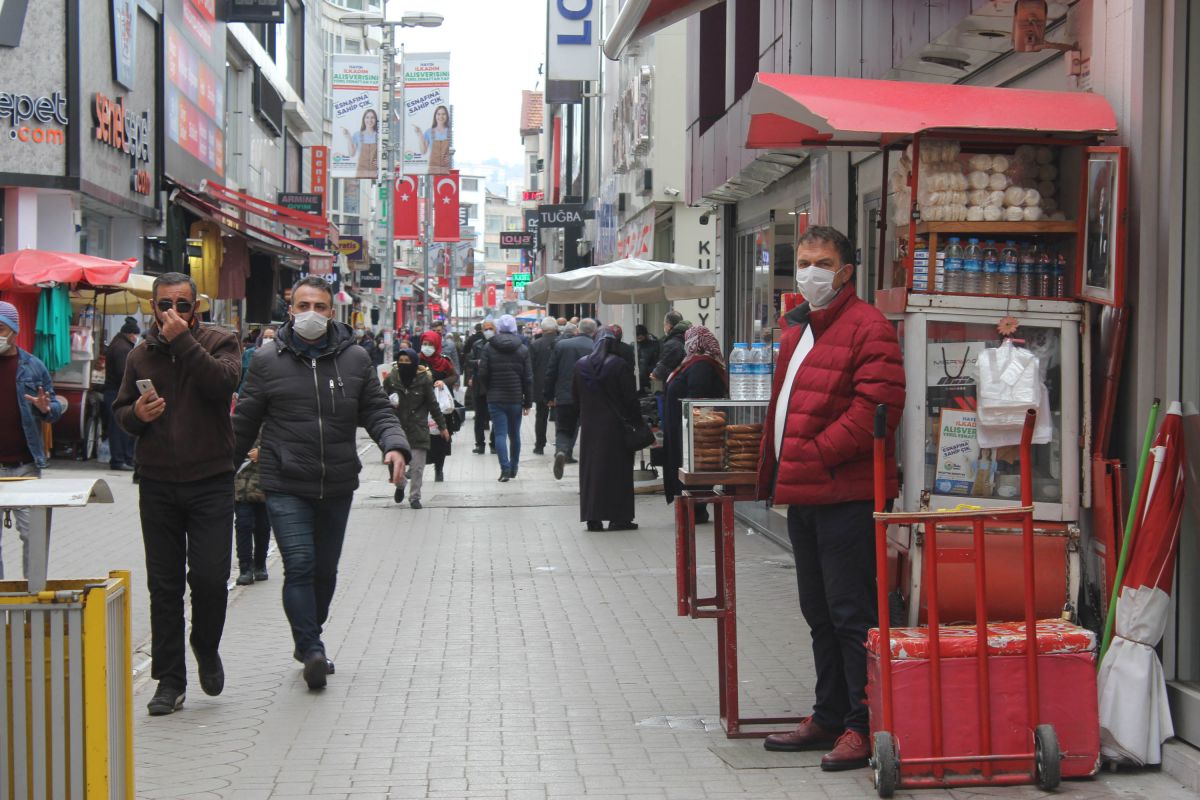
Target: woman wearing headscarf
[605, 395]
[506, 378]
[444, 375]
[409, 387]
[701, 375]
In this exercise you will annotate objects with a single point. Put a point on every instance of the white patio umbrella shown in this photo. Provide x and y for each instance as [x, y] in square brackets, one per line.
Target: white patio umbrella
[629, 281]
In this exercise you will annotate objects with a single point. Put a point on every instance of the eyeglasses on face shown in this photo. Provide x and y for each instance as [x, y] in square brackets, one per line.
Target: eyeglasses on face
[182, 306]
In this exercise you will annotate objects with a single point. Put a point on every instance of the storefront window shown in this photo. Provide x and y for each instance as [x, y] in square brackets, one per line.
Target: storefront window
[754, 287]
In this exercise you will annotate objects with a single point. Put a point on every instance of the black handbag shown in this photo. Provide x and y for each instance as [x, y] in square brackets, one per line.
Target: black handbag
[636, 436]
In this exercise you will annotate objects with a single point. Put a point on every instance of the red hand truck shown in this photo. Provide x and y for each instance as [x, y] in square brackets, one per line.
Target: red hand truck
[1039, 760]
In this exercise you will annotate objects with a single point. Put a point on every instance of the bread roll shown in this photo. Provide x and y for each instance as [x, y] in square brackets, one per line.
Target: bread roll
[1000, 163]
[998, 181]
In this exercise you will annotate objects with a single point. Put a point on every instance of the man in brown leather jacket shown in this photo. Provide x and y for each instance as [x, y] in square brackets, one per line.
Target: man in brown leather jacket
[185, 459]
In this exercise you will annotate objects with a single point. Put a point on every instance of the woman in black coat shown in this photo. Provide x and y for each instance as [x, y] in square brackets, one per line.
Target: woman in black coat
[443, 373]
[701, 375]
[606, 397]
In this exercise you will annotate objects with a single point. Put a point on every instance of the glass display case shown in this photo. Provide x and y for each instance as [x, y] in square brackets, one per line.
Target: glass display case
[722, 436]
[942, 460]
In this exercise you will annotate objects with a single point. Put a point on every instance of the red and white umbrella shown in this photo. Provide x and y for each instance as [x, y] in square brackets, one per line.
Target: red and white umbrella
[1135, 718]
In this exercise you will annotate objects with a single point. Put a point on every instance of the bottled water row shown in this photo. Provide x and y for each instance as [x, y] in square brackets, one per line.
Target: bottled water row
[750, 372]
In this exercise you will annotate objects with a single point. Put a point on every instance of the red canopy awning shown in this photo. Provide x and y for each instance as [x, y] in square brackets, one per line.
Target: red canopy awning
[806, 111]
[319, 259]
[640, 18]
[27, 268]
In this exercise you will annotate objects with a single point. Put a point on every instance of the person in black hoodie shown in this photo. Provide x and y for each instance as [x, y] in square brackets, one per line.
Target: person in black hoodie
[671, 351]
[539, 353]
[309, 392]
[120, 443]
[506, 375]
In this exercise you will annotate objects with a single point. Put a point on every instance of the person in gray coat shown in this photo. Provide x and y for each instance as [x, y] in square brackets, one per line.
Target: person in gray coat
[560, 377]
[308, 392]
[540, 351]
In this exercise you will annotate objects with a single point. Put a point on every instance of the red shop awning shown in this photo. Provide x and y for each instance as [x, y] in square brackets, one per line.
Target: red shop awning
[640, 18]
[204, 207]
[318, 226]
[805, 111]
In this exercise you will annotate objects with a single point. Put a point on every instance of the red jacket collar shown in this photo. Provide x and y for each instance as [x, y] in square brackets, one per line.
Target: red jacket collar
[822, 318]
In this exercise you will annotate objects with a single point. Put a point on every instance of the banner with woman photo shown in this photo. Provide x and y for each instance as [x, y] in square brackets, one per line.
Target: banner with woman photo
[428, 136]
[356, 117]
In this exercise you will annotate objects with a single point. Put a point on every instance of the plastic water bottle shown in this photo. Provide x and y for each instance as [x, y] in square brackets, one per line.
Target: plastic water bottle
[1044, 275]
[953, 269]
[1060, 276]
[991, 268]
[739, 373]
[760, 362]
[1026, 272]
[972, 268]
[1007, 281]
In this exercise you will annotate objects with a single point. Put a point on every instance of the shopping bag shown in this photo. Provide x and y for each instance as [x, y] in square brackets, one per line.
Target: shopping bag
[445, 400]
[1009, 385]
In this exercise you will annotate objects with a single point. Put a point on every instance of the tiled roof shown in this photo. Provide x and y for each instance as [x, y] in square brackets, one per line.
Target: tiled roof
[531, 112]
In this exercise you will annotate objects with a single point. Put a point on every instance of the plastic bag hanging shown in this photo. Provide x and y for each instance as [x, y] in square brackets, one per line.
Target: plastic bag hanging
[1009, 384]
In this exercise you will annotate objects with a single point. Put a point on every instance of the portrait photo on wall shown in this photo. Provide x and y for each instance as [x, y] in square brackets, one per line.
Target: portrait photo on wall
[1102, 250]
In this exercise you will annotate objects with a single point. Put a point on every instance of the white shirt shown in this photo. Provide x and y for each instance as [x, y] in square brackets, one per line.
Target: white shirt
[785, 393]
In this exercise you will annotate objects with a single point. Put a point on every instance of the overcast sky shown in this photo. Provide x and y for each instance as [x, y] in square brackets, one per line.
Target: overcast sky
[495, 48]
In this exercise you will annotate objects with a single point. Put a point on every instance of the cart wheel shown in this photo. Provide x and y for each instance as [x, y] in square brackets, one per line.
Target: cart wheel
[886, 763]
[1047, 758]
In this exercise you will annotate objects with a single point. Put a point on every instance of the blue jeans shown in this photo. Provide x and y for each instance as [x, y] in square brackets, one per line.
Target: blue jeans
[309, 533]
[120, 443]
[506, 424]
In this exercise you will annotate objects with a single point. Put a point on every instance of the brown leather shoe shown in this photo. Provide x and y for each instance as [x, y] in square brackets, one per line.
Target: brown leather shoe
[852, 751]
[807, 736]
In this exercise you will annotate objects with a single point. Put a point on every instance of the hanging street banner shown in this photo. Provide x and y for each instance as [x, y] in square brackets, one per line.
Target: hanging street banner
[406, 225]
[355, 89]
[445, 208]
[427, 126]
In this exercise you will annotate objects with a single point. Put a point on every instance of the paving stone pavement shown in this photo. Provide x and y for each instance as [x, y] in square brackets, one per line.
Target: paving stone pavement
[489, 647]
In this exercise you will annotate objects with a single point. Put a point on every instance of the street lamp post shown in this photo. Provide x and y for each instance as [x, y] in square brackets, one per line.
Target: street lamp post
[411, 19]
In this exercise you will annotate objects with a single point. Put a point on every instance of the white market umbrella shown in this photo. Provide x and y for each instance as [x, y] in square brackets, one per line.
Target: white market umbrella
[629, 281]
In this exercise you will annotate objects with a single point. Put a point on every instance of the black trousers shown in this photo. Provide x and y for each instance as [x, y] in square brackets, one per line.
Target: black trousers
[482, 419]
[187, 529]
[253, 526]
[539, 425]
[834, 546]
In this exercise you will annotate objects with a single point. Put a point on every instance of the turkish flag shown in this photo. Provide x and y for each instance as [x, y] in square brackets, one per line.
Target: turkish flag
[491, 296]
[445, 207]
[404, 196]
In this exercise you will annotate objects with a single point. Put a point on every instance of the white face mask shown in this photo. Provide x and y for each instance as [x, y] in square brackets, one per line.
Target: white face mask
[816, 284]
[488, 333]
[427, 350]
[5, 343]
[310, 325]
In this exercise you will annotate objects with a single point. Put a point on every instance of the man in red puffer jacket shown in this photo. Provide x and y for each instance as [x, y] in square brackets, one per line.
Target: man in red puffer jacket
[839, 358]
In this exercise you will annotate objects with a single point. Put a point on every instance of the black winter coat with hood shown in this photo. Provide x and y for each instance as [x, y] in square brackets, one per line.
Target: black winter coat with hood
[309, 409]
[506, 371]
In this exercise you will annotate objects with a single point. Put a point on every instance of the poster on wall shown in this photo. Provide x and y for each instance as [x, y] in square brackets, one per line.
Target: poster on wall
[124, 42]
[194, 92]
[355, 89]
[427, 125]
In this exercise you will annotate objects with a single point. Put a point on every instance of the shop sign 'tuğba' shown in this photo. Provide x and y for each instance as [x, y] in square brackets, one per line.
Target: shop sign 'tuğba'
[127, 132]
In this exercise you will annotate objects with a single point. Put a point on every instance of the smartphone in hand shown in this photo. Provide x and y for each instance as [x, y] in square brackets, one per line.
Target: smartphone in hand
[145, 386]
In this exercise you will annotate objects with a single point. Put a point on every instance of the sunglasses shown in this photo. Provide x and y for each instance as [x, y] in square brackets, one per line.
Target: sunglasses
[182, 306]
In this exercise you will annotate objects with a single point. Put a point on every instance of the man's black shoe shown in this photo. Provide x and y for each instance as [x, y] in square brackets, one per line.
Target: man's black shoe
[559, 459]
[245, 576]
[438, 476]
[539, 451]
[478, 450]
[504, 476]
[416, 504]
[399, 496]
[167, 700]
[120, 468]
[316, 667]
[572, 460]
[260, 574]
[212, 673]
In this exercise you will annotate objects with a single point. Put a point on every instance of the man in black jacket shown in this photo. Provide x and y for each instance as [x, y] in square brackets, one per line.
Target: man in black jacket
[539, 352]
[506, 376]
[671, 348]
[120, 443]
[309, 391]
[185, 458]
[475, 387]
[559, 378]
[648, 348]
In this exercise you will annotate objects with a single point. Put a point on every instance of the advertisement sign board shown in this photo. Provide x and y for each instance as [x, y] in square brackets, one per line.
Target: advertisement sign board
[124, 42]
[254, 10]
[355, 90]
[573, 40]
[517, 240]
[563, 216]
[194, 92]
[372, 277]
[427, 125]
